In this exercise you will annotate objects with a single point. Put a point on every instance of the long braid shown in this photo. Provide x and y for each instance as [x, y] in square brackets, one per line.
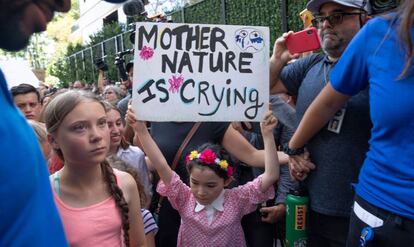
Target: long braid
[116, 192]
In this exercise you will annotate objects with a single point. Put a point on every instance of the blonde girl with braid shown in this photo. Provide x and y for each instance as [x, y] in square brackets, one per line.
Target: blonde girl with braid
[98, 205]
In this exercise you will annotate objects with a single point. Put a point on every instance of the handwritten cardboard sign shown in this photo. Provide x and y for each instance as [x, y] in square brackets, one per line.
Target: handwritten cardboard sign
[198, 72]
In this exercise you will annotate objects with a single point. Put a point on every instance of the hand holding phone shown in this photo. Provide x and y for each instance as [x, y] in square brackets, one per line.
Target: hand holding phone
[303, 41]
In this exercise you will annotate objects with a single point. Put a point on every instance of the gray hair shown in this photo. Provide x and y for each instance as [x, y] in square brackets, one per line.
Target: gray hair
[116, 90]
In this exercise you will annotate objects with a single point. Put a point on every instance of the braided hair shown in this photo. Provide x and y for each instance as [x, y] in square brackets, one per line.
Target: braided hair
[118, 196]
[55, 113]
[121, 165]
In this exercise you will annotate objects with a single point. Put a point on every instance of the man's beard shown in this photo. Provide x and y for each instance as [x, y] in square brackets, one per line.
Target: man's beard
[332, 46]
[13, 39]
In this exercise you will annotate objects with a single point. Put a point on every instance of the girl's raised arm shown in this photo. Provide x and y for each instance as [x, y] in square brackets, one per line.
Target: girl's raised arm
[150, 147]
[271, 174]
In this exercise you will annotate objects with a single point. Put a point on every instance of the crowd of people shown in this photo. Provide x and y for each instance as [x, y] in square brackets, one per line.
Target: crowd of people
[79, 168]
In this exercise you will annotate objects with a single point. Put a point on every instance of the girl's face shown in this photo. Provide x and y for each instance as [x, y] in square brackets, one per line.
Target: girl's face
[205, 185]
[116, 128]
[83, 135]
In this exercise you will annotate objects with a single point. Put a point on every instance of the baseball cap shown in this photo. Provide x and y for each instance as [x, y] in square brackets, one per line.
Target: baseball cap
[315, 5]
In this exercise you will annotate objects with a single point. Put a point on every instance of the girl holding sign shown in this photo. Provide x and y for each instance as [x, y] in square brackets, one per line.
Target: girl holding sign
[209, 213]
[169, 136]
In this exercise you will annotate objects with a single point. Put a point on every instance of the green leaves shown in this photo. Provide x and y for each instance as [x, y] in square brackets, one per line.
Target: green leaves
[245, 12]
[236, 12]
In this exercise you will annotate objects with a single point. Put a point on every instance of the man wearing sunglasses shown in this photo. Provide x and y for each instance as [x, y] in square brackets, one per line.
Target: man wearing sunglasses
[28, 216]
[338, 150]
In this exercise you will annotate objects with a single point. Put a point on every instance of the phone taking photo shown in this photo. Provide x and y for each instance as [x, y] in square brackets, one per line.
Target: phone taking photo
[303, 41]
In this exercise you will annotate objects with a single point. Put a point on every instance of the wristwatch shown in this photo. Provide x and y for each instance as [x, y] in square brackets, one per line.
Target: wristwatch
[292, 151]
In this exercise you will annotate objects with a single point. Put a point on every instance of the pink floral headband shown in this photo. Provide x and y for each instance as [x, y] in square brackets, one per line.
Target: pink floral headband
[208, 157]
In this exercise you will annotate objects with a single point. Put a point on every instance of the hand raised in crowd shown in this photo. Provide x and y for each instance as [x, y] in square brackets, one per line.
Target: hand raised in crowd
[268, 123]
[273, 214]
[132, 120]
[280, 51]
[239, 126]
[300, 166]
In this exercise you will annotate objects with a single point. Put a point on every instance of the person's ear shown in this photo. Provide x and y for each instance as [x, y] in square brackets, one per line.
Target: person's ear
[52, 141]
[367, 18]
[364, 19]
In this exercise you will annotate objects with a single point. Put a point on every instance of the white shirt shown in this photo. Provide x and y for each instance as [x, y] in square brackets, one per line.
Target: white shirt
[136, 158]
[217, 204]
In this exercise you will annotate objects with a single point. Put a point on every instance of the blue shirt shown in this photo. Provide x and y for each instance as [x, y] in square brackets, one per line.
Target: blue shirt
[28, 215]
[375, 59]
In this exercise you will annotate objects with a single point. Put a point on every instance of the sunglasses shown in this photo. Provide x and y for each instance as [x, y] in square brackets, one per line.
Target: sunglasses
[333, 19]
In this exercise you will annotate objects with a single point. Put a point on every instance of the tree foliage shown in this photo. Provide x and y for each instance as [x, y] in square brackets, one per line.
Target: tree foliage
[79, 65]
[78, 60]
[244, 12]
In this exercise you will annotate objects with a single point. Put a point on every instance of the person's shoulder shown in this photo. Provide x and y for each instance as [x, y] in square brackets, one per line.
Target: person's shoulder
[386, 18]
[146, 214]
[308, 61]
[125, 179]
[131, 153]
[381, 22]
[314, 57]
[127, 184]
[124, 101]
[135, 149]
[145, 211]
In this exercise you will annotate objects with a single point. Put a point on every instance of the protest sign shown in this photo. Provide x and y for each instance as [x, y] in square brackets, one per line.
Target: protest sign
[198, 72]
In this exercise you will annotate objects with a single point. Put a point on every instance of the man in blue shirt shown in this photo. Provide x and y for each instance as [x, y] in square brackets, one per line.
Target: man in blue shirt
[28, 216]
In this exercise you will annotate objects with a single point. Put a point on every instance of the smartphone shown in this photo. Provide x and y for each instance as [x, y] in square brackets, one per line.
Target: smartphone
[303, 41]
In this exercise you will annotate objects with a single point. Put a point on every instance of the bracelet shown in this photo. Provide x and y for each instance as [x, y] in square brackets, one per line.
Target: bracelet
[292, 151]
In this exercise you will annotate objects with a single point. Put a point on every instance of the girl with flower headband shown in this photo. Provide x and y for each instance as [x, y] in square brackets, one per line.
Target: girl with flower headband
[210, 214]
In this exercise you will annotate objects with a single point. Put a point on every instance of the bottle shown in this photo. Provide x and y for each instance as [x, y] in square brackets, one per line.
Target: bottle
[297, 206]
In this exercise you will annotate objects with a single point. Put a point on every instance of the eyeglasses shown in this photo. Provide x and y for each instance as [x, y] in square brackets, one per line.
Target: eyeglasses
[333, 19]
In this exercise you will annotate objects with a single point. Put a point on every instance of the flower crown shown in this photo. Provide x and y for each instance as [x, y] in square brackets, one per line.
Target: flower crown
[208, 157]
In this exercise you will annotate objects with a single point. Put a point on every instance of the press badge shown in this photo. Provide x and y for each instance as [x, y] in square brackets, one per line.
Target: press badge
[335, 123]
